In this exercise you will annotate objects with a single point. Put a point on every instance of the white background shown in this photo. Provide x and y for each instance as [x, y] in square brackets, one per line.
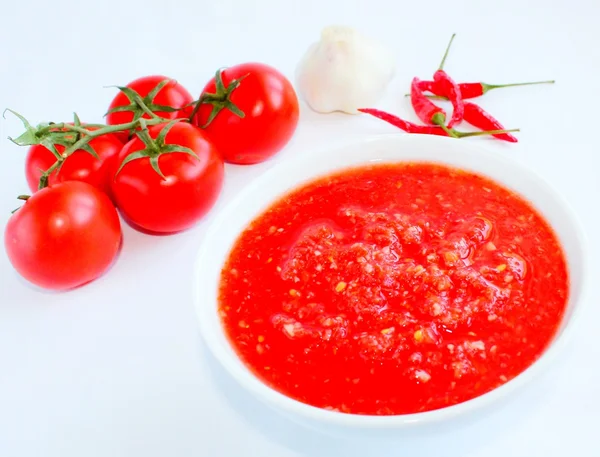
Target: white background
[117, 368]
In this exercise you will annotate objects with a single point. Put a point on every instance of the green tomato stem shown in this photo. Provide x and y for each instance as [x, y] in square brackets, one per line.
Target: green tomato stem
[197, 104]
[89, 135]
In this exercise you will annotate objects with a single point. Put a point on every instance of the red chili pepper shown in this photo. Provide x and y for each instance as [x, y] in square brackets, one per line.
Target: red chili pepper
[473, 90]
[450, 89]
[407, 126]
[426, 110]
[427, 86]
[478, 117]
[411, 127]
[446, 86]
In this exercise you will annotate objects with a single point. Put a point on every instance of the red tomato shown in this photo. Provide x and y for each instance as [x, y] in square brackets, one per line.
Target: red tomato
[270, 107]
[63, 236]
[79, 166]
[173, 95]
[187, 191]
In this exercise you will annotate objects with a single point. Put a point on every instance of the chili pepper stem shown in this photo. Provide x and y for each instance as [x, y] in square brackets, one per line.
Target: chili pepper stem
[487, 132]
[440, 120]
[450, 132]
[487, 87]
[441, 67]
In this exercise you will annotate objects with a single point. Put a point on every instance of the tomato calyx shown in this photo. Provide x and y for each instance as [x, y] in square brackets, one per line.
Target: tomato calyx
[22, 198]
[219, 100]
[50, 134]
[141, 106]
[155, 147]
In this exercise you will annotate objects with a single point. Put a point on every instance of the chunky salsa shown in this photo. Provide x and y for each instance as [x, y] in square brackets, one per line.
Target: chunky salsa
[393, 289]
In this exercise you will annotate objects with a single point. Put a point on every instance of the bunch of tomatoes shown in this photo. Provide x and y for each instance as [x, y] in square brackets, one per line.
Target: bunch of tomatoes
[159, 160]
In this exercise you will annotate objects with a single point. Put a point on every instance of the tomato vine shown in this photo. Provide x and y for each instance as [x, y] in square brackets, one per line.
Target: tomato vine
[77, 136]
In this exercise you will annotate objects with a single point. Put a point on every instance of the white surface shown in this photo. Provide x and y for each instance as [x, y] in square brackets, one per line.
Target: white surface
[272, 185]
[117, 369]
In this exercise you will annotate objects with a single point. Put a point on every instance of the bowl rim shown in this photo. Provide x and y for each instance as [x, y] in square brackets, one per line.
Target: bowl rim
[277, 400]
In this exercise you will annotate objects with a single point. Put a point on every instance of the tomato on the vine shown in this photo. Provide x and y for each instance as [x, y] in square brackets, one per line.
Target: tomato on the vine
[164, 96]
[250, 111]
[169, 178]
[79, 166]
[63, 236]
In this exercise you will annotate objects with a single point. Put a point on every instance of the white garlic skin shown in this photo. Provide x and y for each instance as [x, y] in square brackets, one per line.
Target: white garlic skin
[344, 71]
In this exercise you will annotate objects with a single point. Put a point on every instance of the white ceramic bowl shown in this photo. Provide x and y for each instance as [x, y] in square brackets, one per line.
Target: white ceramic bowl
[285, 176]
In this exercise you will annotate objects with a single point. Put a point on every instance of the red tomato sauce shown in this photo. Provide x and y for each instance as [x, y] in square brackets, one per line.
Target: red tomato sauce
[393, 289]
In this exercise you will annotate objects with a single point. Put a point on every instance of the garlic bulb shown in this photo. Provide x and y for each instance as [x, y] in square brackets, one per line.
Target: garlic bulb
[344, 71]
